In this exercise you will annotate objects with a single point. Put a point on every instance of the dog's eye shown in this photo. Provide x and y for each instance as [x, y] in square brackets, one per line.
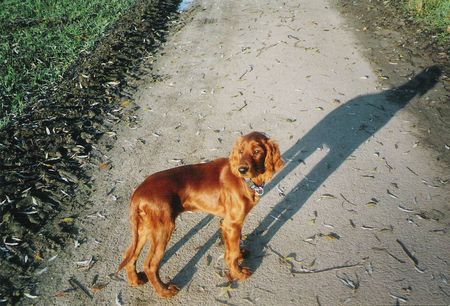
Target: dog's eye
[241, 151]
[257, 151]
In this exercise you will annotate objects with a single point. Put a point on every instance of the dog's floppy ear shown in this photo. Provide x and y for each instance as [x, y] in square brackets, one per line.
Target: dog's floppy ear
[273, 162]
[234, 157]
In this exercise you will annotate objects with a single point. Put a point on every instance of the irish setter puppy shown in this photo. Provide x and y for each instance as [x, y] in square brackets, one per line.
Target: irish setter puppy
[225, 187]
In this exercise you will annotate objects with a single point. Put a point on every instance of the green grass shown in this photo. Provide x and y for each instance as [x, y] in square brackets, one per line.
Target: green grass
[433, 13]
[40, 39]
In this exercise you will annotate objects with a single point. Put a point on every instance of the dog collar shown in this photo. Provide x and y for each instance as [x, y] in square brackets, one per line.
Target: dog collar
[259, 190]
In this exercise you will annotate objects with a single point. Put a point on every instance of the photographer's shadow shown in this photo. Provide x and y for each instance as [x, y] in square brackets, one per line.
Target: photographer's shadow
[342, 131]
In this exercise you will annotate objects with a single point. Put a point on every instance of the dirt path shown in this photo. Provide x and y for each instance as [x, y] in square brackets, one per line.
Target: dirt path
[358, 216]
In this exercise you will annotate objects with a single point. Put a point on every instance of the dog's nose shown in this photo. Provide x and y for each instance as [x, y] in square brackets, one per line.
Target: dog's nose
[243, 169]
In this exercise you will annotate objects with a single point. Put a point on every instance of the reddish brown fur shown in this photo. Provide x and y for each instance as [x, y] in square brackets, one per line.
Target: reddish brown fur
[216, 187]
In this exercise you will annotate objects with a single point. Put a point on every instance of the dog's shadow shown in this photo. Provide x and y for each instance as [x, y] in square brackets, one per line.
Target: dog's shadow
[342, 131]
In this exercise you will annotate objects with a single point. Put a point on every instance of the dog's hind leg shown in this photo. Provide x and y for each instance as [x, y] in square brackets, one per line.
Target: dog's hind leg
[140, 237]
[160, 234]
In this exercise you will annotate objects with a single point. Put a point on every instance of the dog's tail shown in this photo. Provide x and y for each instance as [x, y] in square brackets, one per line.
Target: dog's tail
[134, 216]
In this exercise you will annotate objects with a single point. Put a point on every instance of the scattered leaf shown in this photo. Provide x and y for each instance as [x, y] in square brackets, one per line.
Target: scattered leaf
[30, 296]
[331, 236]
[119, 300]
[326, 196]
[125, 103]
[104, 166]
[391, 194]
[98, 287]
[372, 204]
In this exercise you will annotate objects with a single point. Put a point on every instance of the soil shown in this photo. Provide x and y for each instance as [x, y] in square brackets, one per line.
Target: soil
[398, 47]
[48, 154]
[358, 216]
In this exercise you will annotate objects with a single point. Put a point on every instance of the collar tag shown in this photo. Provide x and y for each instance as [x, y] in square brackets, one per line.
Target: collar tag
[259, 190]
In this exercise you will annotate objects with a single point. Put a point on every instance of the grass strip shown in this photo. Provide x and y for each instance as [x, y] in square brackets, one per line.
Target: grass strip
[40, 39]
[434, 14]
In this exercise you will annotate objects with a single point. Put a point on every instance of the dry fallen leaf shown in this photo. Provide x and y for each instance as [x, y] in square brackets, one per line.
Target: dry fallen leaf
[331, 236]
[98, 287]
[326, 196]
[125, 103]
[104, 166]
[371, 204]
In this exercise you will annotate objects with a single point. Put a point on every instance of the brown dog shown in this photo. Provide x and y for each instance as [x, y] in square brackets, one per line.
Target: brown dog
[225, 187]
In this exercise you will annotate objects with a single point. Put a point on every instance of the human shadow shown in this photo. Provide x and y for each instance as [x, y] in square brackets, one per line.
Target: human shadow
[342, 131]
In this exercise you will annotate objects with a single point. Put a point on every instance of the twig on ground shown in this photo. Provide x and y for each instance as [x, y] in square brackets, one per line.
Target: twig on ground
[347, 200]
[75, 283]
[410, 255]
[306, 271]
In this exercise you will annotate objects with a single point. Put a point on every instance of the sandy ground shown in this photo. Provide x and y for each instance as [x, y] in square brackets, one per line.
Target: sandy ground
[358, 216]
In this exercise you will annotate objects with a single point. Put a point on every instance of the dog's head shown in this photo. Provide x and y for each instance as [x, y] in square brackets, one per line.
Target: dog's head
[255, 156]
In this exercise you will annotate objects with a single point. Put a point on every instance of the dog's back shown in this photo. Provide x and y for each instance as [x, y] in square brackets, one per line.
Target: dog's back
[186, 187]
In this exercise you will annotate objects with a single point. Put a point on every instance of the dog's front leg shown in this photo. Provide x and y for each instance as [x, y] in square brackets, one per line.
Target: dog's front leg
[231, 235]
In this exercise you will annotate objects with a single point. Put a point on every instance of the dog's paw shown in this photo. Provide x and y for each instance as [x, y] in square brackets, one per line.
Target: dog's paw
[240, 275]
[245, 273]
[169, 291]
[243, 255]
[137, 279]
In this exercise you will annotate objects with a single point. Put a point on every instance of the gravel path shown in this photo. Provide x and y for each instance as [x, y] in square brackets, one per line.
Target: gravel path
[360, 213]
